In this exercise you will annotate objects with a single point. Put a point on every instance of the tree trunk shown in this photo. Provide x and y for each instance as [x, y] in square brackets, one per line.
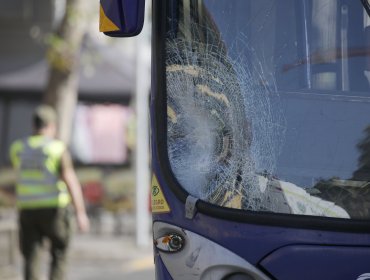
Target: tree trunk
[63, 57]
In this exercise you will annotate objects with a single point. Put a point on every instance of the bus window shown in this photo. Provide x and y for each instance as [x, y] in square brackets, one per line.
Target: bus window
[268, 109]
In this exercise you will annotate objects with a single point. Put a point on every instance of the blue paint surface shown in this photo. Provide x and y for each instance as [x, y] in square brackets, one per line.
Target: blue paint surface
[161, 272]
[318, 262]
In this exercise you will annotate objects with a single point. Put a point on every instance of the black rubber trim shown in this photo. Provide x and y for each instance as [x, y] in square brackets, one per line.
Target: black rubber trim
[160, 134]
[159, 97]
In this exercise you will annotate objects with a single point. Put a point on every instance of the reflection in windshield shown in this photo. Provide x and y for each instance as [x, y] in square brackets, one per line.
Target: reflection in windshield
[354, 194]
[363, 171]
[324, 56]
[236, 139]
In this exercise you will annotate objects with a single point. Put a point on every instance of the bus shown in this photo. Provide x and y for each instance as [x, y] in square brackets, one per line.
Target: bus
[260, 136]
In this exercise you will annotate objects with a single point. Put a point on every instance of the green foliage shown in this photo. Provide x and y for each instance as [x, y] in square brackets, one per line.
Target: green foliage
[59, 54]
[64, 44]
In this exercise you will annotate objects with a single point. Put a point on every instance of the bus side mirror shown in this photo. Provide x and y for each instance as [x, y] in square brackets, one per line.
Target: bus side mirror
[121, 18]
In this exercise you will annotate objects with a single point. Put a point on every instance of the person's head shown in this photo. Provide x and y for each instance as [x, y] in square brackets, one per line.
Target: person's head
[45, 121]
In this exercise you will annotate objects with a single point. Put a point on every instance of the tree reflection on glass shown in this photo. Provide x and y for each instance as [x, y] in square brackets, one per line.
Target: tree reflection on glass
[353, 194]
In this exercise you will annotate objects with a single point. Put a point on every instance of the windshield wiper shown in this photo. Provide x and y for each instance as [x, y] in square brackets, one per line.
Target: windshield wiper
[366, 5]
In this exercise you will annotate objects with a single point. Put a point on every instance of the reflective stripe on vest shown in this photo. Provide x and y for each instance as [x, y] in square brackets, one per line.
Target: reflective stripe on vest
[38, 182]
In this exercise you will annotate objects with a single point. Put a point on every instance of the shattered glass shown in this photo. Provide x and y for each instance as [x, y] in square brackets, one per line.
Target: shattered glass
[218, 138]
[234, 137]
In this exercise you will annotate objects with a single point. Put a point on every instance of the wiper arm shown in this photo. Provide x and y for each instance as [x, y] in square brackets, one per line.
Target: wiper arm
[366, 5]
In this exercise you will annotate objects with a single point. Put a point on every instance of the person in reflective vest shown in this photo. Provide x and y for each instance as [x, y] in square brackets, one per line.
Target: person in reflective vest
[46, 184]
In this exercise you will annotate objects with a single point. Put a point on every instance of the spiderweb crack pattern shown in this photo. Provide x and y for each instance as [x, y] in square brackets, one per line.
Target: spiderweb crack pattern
[222, 129]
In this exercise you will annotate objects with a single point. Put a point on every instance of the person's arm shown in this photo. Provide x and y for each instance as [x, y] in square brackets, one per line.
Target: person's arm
[15, 149]
[74, 187]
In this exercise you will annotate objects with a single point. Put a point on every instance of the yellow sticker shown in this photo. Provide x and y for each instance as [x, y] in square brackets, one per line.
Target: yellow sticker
[106, 25]
[159, 202]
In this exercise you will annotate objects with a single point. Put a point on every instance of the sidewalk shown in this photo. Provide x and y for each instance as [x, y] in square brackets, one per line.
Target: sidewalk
[103, 256]
[110, 258]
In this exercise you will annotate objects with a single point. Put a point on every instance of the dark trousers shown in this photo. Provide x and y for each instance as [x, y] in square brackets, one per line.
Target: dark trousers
[34, 226]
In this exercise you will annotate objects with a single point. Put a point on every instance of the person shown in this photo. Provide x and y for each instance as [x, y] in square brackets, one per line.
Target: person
[46, 185]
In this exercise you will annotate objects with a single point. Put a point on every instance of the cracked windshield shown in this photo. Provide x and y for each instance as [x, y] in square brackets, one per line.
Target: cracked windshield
[268, 109]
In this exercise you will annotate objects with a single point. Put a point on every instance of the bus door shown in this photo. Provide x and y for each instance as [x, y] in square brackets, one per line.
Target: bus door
[260, 136]
[260, 139]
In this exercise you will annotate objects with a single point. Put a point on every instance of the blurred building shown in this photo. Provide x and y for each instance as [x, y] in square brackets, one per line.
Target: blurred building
[101, 142]
[24, 71]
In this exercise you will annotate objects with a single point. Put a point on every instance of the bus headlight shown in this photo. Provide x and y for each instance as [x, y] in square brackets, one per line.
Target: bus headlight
[171, 242]
[188, 255]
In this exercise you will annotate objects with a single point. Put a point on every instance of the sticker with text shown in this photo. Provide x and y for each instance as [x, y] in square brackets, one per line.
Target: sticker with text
[159, 202]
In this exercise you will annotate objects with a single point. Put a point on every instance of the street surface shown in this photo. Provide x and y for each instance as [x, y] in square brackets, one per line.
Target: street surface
[100, 256]
[110, 258]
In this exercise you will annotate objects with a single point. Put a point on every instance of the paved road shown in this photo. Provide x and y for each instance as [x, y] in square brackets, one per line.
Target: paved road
[110, 258]
[101, 257]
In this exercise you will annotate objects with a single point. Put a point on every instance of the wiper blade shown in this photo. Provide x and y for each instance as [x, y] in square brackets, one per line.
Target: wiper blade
[366, 5]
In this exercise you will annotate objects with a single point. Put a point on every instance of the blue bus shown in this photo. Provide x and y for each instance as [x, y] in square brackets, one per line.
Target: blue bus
[260, 136]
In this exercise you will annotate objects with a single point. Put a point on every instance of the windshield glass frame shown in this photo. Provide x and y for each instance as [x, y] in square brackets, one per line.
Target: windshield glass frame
[159, 146]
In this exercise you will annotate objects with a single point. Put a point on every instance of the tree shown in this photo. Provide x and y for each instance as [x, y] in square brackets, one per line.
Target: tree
[63, 57]
[363, 171]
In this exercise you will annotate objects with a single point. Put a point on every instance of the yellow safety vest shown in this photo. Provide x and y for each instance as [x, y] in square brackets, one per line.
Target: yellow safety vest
[37, 161]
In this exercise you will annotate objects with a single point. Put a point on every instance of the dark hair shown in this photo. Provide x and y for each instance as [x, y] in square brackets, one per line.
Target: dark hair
[39, 123]
[43, 116]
